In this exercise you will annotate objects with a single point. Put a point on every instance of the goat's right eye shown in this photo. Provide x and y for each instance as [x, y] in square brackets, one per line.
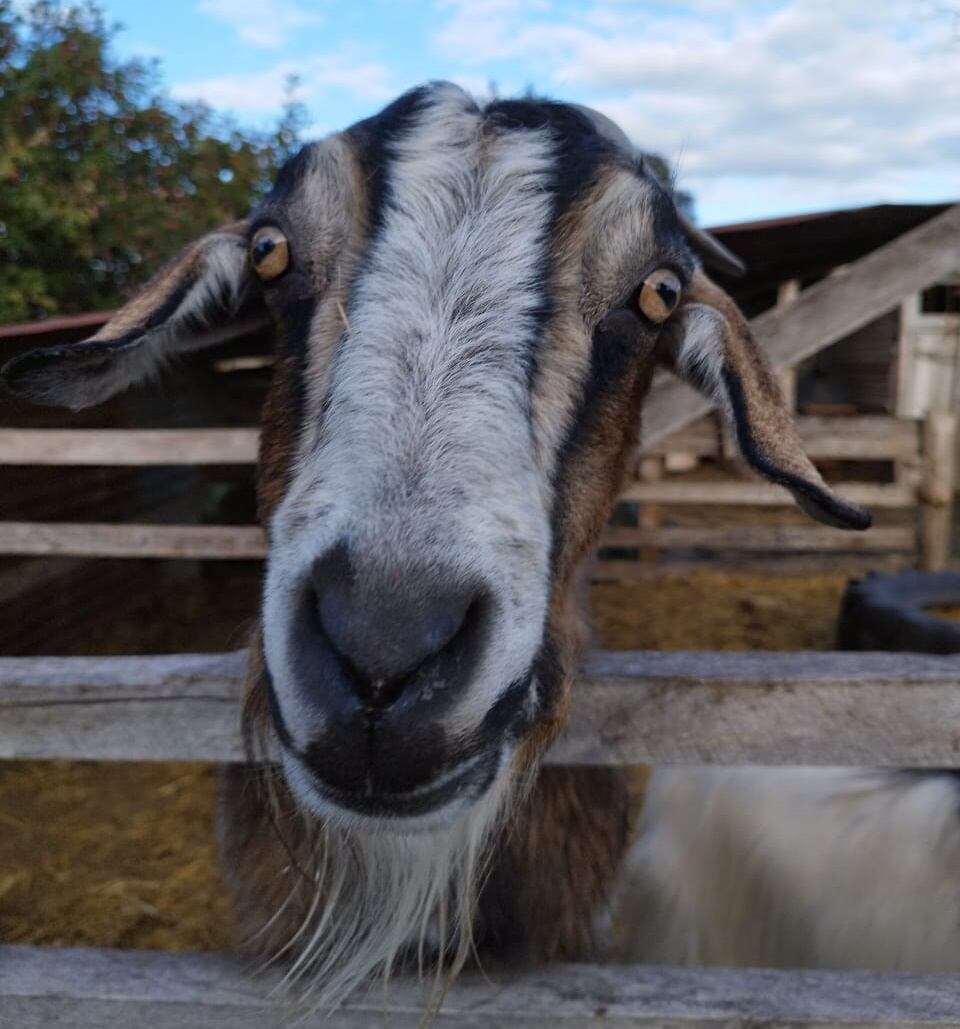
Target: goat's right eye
[659, 295]
[269, 252]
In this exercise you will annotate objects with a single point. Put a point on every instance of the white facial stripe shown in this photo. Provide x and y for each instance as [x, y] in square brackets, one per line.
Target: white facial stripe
[425, 453]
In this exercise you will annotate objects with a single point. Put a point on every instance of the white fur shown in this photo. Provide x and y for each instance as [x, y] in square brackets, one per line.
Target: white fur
[425, 456]
[793, 867]
[383, 895]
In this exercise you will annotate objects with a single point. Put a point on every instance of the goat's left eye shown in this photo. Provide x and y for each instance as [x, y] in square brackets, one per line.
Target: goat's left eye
[659, 295]
[269, 252]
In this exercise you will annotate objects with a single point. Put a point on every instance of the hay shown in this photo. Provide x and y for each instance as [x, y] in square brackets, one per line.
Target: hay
[99, 854]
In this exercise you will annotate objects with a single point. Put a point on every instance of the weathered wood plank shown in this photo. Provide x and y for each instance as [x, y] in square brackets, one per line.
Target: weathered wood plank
[88, 539]
[889, 710]
[128, 446]
[937, 488]
[47, 988]
[762, 494]
[245, 542]
[826, 312]
[616, 569]
[790, 539]
[866, 438]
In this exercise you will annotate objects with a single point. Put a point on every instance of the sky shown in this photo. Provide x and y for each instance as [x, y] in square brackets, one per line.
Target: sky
[761, 107]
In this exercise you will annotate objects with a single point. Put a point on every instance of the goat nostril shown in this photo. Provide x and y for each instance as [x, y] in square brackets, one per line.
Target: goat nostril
[394, 633]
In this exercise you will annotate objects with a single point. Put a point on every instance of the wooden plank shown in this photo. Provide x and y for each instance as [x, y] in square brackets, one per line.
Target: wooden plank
[43, 327]
[866, 438]
[870, 438]
[246, 542]
[128, 446]
[781, 538]
[891, 710]
[753, 493]
[88, 539]
[936, 491]
[49, 988]
[826, 312]
[617, 570]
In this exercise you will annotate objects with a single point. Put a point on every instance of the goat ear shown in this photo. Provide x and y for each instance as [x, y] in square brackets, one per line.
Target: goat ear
[203, 296]
[708, 343]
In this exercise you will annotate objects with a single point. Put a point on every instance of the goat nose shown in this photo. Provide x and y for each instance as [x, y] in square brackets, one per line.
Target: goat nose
[385, 624]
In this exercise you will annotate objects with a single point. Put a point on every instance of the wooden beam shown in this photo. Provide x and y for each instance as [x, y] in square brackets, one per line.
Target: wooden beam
[222, 542]
[871, 438]
[138, 447]
[755, 493]
[126, 989]
[937, 488]
[789, 539]
[799, 564]
[825, 313]
[891, 710]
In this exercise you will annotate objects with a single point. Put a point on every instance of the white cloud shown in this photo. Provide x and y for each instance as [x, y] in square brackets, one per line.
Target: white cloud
[267, 90]
[261, 23]
[791, 95]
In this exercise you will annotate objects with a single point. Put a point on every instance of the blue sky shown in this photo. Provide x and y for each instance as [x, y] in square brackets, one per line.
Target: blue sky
[763, 107]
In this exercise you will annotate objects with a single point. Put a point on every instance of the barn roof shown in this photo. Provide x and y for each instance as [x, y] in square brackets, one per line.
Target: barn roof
[808, 246]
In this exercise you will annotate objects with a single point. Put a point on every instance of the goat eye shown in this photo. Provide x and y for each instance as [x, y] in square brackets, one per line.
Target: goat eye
[269, 252]
[659, 295]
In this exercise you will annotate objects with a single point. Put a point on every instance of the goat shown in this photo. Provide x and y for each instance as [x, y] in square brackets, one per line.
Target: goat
[468, 304]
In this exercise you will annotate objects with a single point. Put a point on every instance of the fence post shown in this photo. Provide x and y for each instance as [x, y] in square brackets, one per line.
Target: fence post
[936, 490]
[650, 516]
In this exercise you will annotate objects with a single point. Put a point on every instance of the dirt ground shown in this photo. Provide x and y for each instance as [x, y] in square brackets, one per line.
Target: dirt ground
[124, 855]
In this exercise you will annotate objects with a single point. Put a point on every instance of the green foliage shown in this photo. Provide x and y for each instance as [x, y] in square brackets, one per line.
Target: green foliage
[102, 177]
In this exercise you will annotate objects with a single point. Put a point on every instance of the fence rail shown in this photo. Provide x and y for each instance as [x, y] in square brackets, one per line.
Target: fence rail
[98, 539]
[891, 710]
[920, 450]
[138, 447]
[122, 989]
[858, 438]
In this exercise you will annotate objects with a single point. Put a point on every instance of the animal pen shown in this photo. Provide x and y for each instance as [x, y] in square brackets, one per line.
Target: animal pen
[896, 454]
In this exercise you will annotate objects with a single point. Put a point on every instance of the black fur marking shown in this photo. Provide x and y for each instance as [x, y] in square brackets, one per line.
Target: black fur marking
[580, 149]
[376, 140]
[621, 346]
[294, 170]
[548, 670]
[842, 514]
[580, 152]
[292, 337]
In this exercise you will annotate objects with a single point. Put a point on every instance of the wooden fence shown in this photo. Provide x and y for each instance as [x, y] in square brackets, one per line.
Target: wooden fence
[922, 453]
[726, 708]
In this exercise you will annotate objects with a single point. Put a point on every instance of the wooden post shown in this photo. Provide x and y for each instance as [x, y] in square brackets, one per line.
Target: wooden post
[936, 491]
[650, 516]
[787, 292]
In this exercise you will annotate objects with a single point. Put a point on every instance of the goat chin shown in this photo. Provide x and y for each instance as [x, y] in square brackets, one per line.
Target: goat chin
[801, 867]
[383, 900]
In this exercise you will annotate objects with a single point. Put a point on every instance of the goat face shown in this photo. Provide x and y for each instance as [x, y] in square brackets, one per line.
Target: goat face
[468, 307]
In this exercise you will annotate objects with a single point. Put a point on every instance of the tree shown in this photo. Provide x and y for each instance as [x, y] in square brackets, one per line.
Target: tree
[102, 177]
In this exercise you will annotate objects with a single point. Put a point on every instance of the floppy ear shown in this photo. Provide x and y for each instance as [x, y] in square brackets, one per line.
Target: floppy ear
[203, 296]
[708, 343]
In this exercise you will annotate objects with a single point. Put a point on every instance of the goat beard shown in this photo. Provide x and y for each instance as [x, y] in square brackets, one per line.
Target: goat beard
[374, 900]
